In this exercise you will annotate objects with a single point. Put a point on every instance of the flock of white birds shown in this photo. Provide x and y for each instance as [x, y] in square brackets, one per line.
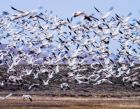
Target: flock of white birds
[38, 39]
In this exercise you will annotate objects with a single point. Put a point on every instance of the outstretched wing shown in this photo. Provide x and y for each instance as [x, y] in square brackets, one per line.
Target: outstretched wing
[30, 99]
[10, 94]
[16, 9]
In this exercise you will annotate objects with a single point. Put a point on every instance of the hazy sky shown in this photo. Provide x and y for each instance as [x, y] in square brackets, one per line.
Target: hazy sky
[65, 8]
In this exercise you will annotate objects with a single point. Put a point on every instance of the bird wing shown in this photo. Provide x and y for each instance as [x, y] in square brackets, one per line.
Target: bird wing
[30, 99]
[9, 95]
[98, 11]
[16, 9]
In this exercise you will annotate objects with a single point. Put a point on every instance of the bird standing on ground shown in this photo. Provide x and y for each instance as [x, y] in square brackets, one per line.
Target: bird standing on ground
[27, 97]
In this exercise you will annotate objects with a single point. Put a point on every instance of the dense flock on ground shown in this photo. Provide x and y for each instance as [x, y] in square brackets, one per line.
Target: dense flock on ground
[37, 47]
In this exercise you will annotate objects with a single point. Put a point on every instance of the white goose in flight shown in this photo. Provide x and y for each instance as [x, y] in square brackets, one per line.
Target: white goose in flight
[106, 15]
[9, 95]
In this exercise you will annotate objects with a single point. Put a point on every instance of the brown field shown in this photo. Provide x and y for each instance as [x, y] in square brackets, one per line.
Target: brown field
[40, 102]
[83, 96]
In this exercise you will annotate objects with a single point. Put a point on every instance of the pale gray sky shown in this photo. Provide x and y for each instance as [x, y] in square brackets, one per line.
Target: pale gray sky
[67, 7]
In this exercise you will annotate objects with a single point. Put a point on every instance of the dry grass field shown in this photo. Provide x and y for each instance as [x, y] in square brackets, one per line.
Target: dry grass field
[40, 102]
[83, 96]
